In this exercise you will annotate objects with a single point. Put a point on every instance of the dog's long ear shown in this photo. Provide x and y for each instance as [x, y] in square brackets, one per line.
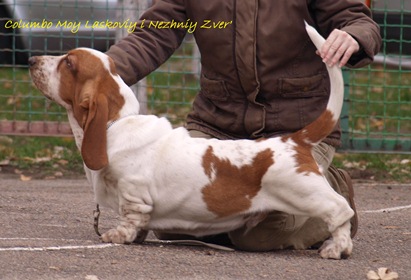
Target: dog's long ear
[94, 146]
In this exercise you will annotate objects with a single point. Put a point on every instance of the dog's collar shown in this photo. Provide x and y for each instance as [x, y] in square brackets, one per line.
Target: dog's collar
[110, 124]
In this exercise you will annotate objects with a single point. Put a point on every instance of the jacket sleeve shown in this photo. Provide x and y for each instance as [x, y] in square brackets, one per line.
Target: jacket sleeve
[149, 46]
[353, 17]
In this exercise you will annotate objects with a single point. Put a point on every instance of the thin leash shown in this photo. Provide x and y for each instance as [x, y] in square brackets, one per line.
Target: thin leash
[96, 215]
[142, 234]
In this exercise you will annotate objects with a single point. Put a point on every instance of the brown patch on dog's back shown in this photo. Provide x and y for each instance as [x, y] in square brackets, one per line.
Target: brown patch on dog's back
[317, 130]
[231, 188]
[305, 139]
[305, 160]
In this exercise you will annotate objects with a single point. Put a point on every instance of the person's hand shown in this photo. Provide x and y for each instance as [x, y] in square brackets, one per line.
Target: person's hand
[338, 48]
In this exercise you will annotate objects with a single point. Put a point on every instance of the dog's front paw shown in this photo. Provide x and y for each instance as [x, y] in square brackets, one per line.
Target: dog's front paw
[119, 235]
[336, 250]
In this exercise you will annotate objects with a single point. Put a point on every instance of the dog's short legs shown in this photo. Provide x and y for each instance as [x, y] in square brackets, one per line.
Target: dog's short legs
[134, 208]
[337, 215]
[339, 245]
[328, 205]
[129, 230]
[134, 217]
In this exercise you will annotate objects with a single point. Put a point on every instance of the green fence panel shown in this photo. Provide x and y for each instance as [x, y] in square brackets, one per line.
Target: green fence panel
[378, 97]
[36, 28]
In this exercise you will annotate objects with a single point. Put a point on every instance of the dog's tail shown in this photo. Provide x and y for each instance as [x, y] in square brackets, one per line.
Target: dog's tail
[325, 123]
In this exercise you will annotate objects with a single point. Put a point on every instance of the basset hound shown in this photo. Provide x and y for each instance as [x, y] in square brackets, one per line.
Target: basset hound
[159, 178]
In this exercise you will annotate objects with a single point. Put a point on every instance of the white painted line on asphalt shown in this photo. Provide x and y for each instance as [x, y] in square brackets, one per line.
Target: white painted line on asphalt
[44, 239]
[102, 246]
[58, 248]
[384, 210]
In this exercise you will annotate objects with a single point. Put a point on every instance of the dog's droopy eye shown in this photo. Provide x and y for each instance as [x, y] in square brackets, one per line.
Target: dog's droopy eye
[68, 62]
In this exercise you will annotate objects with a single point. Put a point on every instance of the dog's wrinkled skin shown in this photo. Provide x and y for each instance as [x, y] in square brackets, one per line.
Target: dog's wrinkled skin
[158, 178]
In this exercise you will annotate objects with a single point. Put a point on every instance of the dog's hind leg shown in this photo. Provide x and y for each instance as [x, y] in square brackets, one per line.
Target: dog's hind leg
[336, 212]
[339, 246]
[314, 197]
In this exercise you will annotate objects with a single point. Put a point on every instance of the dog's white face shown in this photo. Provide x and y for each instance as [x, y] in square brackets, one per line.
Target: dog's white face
[74, 78]
[84, 82]
[46, 76]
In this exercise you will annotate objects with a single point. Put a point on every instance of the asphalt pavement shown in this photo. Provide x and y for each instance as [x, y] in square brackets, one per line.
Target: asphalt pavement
[47, 233]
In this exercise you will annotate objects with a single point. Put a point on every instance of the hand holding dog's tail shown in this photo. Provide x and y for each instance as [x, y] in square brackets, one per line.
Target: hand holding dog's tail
[325, 123]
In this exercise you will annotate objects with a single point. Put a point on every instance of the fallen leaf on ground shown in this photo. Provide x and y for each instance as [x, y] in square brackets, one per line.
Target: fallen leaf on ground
[382, 273]
[391, 227]
[91, 277]
[405, 161]
[5, 162]
[24, 178]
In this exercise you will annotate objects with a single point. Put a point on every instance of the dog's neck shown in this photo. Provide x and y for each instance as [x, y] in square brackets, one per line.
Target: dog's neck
[131, 105]
[110, 124]
[78, 132]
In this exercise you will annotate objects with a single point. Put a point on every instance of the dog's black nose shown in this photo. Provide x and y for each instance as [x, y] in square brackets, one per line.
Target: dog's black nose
[32, 61]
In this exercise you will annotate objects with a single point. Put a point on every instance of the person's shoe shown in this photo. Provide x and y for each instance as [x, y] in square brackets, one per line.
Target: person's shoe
[350, 198]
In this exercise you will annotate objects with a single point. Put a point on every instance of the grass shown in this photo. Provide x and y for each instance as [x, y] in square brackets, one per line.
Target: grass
[171, 94]
[379, 167]
[380, 102]
[173, 87]
[19, 100]
[40, 157]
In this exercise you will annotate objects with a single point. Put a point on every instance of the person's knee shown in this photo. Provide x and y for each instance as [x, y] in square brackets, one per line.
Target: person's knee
[199, 134]
[261, 242]
[323, 154]
[272, 233]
